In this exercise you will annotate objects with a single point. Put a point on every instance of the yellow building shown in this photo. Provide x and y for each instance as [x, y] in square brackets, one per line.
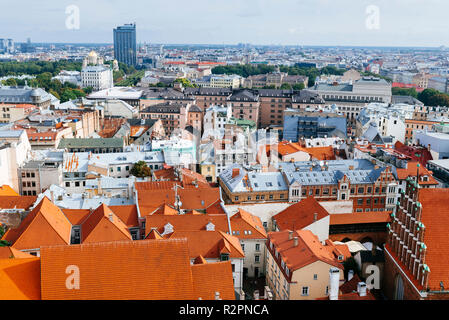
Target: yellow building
[298, 265]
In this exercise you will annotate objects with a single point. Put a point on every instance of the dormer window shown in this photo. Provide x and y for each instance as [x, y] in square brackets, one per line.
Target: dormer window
[210, 227]
[224, 256]
[340, 257]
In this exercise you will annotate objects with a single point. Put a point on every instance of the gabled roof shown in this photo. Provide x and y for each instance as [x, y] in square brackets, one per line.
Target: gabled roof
[308, 250]
[11, 253]
[300, 215]
[119, 270]
[17, 202]
[191, 198]
[248, 225]
[219, 279]
[186, 222]
[412, 170]
[20, 279]
[44, 225]
[6, 190]
[103, 225]
[210, 244]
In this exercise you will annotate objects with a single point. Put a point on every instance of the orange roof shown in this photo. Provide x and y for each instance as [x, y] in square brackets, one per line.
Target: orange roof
[308, 250]
[300, 215]
[360, 217]
[128, 214]
[119, 270]
[76, 216]
[243, 221]
[6, 190]
[20, 279]
[103, 225]
[191, 198]
[18, 202]
[186, 222]
[187, 179]
[219, 279]
[210, 244]
[412, 171]
[351, 285]
[316, 153]
[165, 210]
[44, 225]
[435, 217]
[338, 249]
[155, 185]
[10, 252]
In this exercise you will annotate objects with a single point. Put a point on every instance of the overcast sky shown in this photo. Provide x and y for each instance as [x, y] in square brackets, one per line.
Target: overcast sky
[289, 22]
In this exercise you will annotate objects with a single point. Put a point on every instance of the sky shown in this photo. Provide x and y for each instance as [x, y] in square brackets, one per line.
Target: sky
[421, 23]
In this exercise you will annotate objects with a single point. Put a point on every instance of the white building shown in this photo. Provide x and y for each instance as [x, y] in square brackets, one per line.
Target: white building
[14, 147]
[79, 166]
[389, 120]
[97, 77]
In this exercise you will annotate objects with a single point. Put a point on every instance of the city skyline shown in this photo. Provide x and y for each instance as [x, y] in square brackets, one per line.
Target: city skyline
[308, 23]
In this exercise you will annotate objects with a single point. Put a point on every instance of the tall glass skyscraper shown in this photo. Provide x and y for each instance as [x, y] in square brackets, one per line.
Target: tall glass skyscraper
[125, 49]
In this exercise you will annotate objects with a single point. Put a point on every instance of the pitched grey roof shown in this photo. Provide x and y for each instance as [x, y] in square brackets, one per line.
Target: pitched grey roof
[91, 143]
[9, 94]
[306, 96]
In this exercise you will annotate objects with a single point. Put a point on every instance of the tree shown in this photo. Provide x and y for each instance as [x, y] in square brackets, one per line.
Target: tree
[298, 86]
[67, 95]
[286, 86]
[88, 90]
[141, 169]
[404, 92]
[10, 82]
[4, 243]
[185, 83]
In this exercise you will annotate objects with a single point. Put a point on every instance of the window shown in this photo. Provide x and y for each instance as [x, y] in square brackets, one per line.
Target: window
[305, 291]
[67, 184]
[326, 292]
[224, 257]
[315, 277]
[257, 247]
[361, 190]
[256, 259]
[360, 201]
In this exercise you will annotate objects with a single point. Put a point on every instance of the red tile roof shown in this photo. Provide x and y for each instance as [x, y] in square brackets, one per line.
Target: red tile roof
[103, 225]
[20, 279]
[119, 270]
[308, 250]
[186, 222]
[210, 244]
[435, 217]
[6, 190]
[360, 217]
[219, 279]
[10, 252]
[412, 170]
[300, 215]
[44, 225]
[248, 225]
[191, 198]
[17, 202]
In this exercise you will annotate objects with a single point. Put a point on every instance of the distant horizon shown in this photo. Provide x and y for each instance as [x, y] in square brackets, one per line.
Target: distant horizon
[239, 43]
[314, 23]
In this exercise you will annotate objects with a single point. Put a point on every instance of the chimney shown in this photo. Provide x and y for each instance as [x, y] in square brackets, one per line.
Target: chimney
[290, 235]
[295, 241]
[334, 283]
[111, 218]
[315, 216]
[52, 196]
[235, 172]
[361, 289]
[217, 295]
[350, 274]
